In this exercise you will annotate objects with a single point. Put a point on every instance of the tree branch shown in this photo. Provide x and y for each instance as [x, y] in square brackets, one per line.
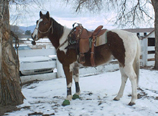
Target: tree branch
[79, 5]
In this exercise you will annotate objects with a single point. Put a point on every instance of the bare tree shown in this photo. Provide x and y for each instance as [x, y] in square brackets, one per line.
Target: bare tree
[10, 90]
[155, 4]
[129, 13]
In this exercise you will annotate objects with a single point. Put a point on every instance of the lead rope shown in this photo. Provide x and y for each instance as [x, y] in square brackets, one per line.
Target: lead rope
[141, 38]
[17, 46]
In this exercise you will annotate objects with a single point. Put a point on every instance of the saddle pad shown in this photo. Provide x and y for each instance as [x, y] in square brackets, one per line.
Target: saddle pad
[102, 39]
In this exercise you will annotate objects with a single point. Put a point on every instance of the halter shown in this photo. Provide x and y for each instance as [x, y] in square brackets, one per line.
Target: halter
[45, 31]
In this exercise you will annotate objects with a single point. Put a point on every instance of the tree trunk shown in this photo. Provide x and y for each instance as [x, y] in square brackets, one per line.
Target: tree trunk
[10, 90]
[155, 4]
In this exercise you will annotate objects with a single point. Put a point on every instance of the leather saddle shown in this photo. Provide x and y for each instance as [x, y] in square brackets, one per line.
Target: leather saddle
[86, 40]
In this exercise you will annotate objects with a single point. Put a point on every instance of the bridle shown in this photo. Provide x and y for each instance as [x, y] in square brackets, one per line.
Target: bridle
[43, 32]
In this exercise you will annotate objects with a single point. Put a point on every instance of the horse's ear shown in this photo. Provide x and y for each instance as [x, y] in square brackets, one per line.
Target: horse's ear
[41, 14]
[47, 15]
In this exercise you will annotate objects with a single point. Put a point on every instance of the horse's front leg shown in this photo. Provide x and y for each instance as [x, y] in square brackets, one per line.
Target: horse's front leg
[76, 79]
[68, 74]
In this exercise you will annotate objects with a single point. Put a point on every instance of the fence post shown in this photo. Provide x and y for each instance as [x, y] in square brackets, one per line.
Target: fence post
[145, 51]
[60, 71]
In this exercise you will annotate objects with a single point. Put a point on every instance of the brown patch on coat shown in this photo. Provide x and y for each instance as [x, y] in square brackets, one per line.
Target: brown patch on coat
[68, 58]
[116, 46]
[102, 55]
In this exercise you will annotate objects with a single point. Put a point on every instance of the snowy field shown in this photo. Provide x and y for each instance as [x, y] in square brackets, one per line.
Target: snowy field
[44, 98]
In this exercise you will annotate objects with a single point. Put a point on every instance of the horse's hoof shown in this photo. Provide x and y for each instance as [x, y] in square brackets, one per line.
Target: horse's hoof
[33, 43]
[131, 104]
[75, 96]
[66, 102]
[115, 99]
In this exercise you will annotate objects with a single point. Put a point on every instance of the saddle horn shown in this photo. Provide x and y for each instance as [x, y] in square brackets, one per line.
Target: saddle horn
[78, 24]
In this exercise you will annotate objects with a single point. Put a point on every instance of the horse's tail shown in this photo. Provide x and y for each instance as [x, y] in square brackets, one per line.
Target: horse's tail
[136, 64]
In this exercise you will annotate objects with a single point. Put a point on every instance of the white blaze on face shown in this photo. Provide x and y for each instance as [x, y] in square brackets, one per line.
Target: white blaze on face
[35, 32]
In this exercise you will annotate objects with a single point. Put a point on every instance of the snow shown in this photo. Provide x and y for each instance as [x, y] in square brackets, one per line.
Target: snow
[96, 99]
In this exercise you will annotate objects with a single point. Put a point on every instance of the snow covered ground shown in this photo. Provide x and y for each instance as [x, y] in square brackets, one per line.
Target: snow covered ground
[97, 93]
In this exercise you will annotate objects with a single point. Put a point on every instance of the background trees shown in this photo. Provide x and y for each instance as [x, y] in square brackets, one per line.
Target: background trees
[16, 30]
[128, 13]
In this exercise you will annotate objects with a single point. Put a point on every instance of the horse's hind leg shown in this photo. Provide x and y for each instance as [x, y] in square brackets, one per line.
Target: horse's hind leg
[133, 78]
[76, 79]
[124, 79]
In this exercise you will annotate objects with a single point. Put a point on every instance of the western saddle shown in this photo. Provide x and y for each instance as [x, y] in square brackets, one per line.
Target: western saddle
[84, 40]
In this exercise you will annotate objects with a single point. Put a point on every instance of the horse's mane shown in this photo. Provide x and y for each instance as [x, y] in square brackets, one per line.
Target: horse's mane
[57, 30]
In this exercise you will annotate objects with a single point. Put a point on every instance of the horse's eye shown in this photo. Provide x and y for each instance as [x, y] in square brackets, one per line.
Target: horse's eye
[44, 23]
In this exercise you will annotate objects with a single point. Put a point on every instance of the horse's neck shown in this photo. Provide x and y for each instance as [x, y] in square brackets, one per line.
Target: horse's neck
[60, 38]
[58, 34]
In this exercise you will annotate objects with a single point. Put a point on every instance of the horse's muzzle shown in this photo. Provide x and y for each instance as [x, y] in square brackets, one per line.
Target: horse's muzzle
[33, 42]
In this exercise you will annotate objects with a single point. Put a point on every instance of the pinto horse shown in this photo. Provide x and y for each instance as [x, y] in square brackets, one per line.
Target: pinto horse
[122, 45]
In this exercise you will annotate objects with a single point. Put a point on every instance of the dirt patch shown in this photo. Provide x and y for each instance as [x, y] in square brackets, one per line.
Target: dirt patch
[40, 114]
[29, 83]
[5, 109]
[142, 94]
[147, 67]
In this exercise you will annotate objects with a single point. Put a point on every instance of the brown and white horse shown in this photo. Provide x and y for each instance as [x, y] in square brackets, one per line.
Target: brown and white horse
[122, 45]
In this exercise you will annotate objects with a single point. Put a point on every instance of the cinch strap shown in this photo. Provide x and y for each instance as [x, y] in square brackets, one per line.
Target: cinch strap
[106, 36]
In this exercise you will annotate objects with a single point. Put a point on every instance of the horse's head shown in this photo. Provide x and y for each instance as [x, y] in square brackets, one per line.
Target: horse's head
[43, 27]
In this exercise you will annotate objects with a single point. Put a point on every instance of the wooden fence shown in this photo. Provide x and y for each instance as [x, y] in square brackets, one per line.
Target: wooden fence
[45, 64]
[147, 50]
